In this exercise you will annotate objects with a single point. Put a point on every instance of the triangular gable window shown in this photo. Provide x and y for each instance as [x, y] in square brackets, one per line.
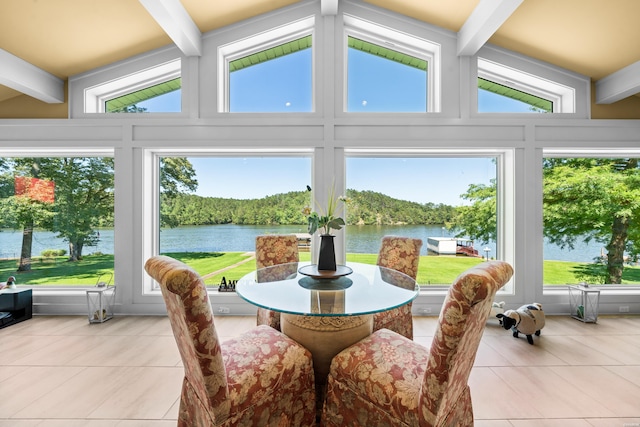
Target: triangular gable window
[278, 79]
[156, 89]
[269, 54]
[134, 102]
[534, 104]
[270, 72]
[504, 89]
[389, 71]
[386, 53]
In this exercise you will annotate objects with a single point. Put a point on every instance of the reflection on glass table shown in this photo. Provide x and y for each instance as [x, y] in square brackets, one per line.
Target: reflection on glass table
[366, 289]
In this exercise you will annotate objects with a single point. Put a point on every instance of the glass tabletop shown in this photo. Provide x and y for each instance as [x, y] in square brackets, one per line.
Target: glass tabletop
[355, 289]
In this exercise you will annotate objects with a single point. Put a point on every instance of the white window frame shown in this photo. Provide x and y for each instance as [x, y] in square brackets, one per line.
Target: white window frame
[505, 194]
[401, 42]
[151, 193]
[563, 97]
[95, 97]
[257, 43]
[63, 152]
[589, 153]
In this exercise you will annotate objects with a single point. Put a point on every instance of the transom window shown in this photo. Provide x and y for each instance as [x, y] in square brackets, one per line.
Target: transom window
[269, 72]
[162, 97]
[388, 71]
[277, 79]
[496, 97]
[384, 79]
[503, 89]
[154, 90]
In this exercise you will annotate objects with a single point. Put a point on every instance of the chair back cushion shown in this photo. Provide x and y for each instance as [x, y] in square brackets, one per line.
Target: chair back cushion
[191, 318]
[273, 249]
[401, 254]
[455, 343]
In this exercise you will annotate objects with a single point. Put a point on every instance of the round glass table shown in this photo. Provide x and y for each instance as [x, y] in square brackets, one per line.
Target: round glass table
[327, 311]
[355, 289]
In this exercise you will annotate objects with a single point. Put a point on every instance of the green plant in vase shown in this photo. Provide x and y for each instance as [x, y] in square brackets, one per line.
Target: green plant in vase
[325, 221]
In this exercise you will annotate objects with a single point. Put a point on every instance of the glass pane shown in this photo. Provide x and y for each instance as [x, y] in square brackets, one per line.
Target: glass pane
[496, 98]
[212, 209]
[591, 221]
[161, 98]
[384, 80]
[279, 79]
[57, 220]
[449, 203]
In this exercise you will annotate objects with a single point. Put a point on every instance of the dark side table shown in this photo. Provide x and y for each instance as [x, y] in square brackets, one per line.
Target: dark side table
[16, 305]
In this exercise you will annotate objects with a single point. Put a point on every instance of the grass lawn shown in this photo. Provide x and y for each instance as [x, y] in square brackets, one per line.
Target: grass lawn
[58, 271]
[436, 270]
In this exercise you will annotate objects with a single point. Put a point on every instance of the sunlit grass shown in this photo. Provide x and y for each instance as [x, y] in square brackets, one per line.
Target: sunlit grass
[58, 271]
[213, 266]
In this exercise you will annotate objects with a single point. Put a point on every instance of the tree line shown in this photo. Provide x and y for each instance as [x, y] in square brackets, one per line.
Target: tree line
[363, 208]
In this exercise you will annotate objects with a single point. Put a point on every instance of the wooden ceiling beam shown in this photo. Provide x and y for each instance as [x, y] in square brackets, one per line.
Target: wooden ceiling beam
[177, 23]
[483, 22]
[619, 85]
[24, 77]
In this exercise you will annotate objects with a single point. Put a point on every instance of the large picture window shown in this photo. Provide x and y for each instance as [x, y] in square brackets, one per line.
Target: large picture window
[57, 220]
[591, 220]
[211, 208]
[450, 202]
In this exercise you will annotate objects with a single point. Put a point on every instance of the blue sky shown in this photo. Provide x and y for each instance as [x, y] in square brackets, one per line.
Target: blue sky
[422, 180]
[374, 84]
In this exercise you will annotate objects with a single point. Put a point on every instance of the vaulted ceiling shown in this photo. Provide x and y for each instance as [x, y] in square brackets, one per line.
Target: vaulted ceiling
[44, 42]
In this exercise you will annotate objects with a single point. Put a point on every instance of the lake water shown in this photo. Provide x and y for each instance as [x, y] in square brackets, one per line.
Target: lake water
[220, 238]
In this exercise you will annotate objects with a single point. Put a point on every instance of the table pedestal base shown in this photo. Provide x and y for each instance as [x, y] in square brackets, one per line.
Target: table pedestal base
[325, 336]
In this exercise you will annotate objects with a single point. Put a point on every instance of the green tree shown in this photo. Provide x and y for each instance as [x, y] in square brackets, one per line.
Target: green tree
[594, 199]
[583, 199]
[21, 210]
[478, 220]
[177, 176]
[83, 199]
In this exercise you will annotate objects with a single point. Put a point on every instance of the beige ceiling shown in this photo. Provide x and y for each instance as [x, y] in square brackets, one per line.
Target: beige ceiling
[66, 37]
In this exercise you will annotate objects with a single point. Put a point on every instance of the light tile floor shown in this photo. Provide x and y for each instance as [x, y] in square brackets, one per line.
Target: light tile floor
[60, 371]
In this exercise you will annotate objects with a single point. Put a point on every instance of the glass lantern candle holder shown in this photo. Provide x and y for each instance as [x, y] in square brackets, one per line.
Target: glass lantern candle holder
[100, 301]
[583, 303]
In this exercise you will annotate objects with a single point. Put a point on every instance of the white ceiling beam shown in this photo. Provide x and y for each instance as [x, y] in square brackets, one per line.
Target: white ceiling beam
[176, 22]
[619, 85]
[329, 7]
[24, 77]
[483, 22]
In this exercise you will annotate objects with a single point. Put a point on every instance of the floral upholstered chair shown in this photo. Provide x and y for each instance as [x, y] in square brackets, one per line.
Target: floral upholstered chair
[261, 377]
[401, 254]
[388, 380]
[274, 249]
